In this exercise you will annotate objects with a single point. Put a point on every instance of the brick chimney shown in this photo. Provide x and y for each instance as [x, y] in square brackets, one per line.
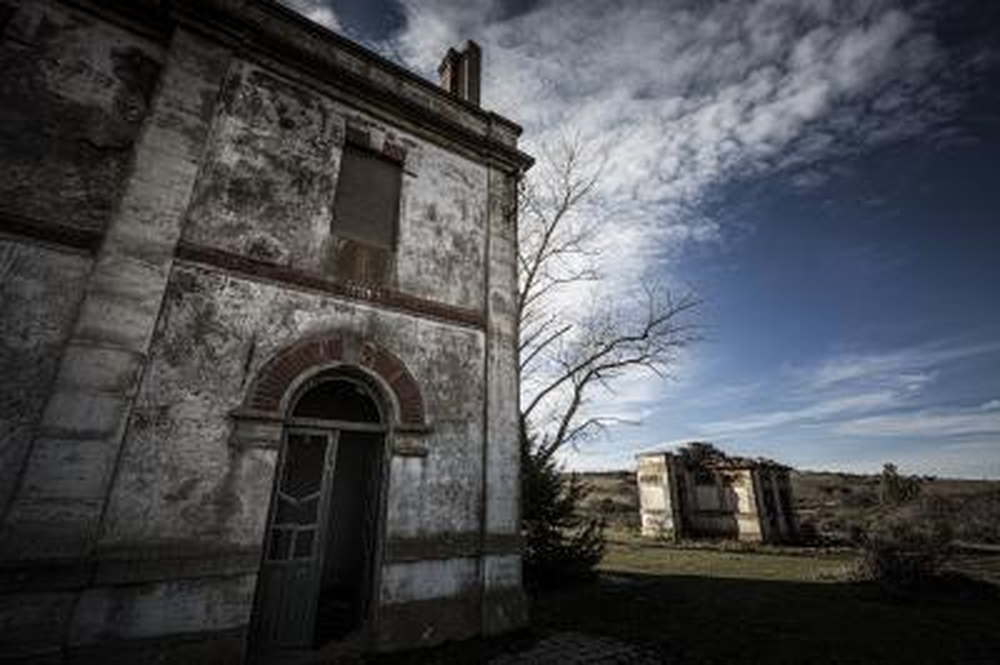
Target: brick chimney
[460, 71]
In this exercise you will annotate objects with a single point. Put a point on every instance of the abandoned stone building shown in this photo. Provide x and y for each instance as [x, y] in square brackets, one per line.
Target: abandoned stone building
[257, 338]
[715, 496]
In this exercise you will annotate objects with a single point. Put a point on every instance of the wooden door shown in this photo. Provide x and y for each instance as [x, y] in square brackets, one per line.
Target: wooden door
[290, 575]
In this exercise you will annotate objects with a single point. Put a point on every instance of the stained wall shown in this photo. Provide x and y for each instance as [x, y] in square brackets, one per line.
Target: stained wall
[165, 205]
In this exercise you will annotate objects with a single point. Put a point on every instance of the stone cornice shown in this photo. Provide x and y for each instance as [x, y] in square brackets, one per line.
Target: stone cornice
[268, 29]
[271, 30]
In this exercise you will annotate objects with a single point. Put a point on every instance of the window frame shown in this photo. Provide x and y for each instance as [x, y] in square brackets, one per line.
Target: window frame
[342, 225]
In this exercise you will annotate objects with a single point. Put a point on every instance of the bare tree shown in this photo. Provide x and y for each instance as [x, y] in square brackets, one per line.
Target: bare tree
[566, 355]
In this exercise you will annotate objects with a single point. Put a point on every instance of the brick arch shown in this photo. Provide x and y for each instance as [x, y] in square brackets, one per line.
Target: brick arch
[278, 375]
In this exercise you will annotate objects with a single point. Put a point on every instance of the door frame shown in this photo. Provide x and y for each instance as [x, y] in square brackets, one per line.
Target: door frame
[369, 619]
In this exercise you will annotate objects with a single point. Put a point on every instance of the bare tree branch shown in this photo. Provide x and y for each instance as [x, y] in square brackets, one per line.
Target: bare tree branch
[535, 348]
[564, 355]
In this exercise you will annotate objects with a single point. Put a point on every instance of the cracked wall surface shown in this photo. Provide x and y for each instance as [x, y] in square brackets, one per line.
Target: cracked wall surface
[40, 292]
[266, 189]
[167, 246]
[76, 91]
[181, 481]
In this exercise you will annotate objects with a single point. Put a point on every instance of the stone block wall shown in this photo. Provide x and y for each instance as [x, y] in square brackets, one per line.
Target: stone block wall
[165, 201]
[658, 508]
[749, 502]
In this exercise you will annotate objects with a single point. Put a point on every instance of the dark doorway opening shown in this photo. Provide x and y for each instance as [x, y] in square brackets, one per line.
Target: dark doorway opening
[343, 600]
[316, 578]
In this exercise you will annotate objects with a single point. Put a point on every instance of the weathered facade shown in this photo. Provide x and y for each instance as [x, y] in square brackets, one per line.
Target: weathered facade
[715, 497]
[257, 337]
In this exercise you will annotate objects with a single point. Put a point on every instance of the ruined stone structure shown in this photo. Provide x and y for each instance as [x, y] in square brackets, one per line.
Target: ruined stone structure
[257, 339]
[716, 496]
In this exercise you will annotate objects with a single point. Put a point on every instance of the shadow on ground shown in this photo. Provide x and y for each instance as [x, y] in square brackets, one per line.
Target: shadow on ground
[689, 619]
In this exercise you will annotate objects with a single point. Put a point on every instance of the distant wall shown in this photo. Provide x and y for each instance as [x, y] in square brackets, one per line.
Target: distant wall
[714, 502]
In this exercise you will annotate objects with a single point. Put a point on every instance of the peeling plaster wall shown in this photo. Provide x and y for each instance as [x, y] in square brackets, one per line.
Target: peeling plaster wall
[442, 229]
[423, 580]
[265, 189]
[743, 503]
[75, 91]
[180, 480]
[656, 505]
[59, 507]
[40, 291]
[126, 350]
[267, 186]
[151, 610]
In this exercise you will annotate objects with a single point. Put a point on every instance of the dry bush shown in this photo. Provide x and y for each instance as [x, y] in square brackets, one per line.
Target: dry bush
[906, 548]
[976, 517]
[862, 497]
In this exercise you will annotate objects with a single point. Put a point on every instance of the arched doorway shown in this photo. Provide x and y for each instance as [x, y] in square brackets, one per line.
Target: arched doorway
[316, 577]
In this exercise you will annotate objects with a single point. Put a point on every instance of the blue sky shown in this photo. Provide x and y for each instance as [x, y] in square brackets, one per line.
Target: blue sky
[821, 172]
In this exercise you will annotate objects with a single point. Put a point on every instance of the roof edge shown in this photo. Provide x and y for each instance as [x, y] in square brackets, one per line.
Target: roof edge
[270, 28]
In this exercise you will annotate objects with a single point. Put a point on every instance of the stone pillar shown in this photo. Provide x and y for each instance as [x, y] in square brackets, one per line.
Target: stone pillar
[757, 483]
[658, 504]
[781, 517]
[788, 509]
[59, 503]
[504, 605]
[671, 470]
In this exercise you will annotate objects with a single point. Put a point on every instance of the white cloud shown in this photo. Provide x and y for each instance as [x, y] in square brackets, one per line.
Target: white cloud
[855, 411]
[909, 367]
[318, 11]
[682, 97]
[926, 423]
[851, 412]
[822, 410]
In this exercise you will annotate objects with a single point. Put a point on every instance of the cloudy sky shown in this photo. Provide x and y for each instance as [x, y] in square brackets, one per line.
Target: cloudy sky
[822, 172]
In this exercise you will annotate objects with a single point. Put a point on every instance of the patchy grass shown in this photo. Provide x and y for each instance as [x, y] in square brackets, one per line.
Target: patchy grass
[756, 605]
[803, 566]
[706, 606]
[978, 563]
[724, 602]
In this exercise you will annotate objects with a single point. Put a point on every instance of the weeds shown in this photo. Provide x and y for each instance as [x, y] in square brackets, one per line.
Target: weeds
[905, 549]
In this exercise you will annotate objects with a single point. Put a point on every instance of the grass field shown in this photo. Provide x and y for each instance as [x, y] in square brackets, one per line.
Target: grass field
[772, 605]
[777, 566]
[704, 606]
[733, 602]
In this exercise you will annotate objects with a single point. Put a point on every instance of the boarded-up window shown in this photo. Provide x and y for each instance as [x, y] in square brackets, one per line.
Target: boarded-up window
[365, 215]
